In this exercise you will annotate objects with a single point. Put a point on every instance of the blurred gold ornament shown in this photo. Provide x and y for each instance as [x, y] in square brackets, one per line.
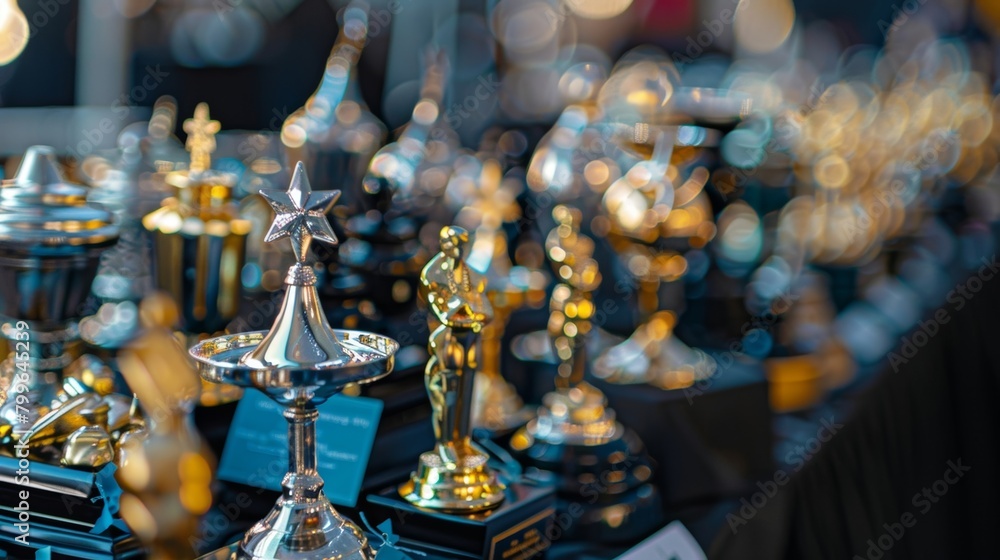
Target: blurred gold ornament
[166, 472]
[762, 26]
[201, 131]
[598, 9]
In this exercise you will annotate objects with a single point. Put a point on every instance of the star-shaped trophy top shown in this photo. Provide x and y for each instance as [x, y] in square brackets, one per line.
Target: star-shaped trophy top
[300, 213]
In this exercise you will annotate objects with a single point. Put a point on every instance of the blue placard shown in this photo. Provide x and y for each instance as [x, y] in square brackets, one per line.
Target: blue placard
[256, 452]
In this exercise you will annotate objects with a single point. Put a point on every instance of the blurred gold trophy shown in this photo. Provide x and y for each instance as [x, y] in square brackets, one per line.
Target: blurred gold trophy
[496, 404]
[165, 470]
[575, 434]
[575, 406]
[199, 236]
[199, 243]
[454, 477]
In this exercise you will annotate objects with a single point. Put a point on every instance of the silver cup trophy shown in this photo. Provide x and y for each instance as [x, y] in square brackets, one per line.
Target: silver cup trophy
[51, 241]
[300, 363]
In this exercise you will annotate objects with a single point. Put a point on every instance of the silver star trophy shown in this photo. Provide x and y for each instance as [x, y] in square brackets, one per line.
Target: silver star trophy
[300, 363]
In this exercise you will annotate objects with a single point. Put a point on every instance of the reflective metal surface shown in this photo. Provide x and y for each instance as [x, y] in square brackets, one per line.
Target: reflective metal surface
[454, 476]
[300, 363]
[51, 240]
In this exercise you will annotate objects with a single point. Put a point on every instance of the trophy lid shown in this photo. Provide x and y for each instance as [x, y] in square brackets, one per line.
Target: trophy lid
[39, 207]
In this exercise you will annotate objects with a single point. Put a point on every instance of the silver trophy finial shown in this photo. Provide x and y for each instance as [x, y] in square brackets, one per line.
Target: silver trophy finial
[301, 334]
[300, 213]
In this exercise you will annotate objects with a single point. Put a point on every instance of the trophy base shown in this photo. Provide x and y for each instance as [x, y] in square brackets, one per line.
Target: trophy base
[307, 530]
[468, 487]
[711, 440]
[610, 519]
[603, 486]
[518, 529]
[62, 541]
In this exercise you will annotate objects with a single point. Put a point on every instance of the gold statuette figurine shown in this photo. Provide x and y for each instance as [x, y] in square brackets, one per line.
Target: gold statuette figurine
[454, 477]
[576, 407]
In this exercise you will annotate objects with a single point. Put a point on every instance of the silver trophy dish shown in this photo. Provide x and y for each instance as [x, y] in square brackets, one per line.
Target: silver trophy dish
[300, 363]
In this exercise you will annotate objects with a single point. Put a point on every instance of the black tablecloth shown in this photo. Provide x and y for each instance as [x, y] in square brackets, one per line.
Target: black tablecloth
[937, 412]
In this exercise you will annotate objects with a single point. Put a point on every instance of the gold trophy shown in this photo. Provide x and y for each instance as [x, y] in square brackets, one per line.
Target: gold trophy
[453, 491]
[199, 243]
[454, 477]
[576, 408]
[496, 404]
[575, 434]
[199, 237]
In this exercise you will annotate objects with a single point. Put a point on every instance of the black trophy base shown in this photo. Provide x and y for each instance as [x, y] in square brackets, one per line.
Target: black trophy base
[609, 519]
[518, 529]
[603, 490]
[709, 441]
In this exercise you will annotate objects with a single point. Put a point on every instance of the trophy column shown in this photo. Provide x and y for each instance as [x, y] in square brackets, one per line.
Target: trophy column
[601, 467]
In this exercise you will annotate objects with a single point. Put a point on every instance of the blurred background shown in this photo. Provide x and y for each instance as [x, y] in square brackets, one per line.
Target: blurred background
[255, 62]
[793, 205]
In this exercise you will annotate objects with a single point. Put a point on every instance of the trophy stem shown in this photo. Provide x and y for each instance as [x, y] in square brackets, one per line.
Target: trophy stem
[302, 481]
[303, 524]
